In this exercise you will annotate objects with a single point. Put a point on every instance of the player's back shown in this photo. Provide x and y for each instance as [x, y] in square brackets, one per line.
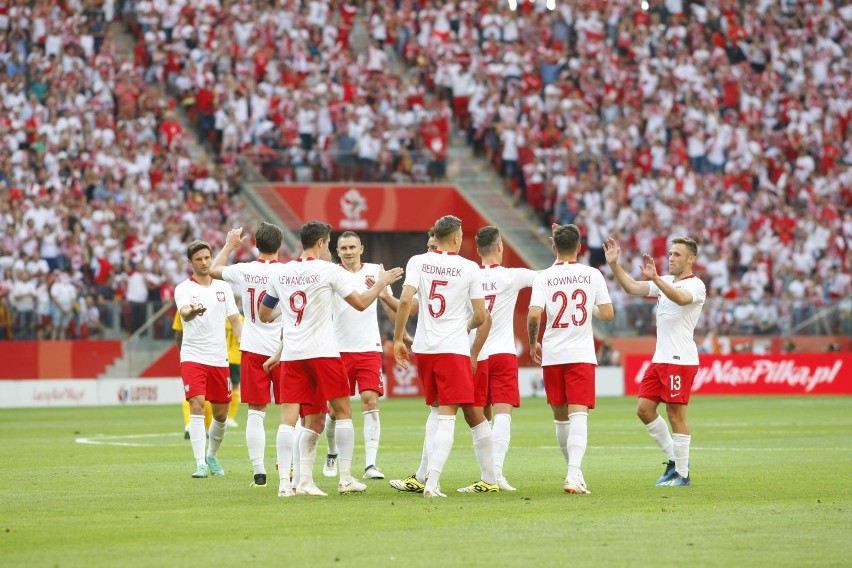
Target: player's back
[445, 284]
[304, 288]
[568, 291]
[501, 285]
[252, 278]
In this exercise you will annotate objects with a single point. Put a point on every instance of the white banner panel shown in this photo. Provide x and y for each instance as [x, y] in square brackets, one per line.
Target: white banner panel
[609, 381]
[140, 391]
[89, 392]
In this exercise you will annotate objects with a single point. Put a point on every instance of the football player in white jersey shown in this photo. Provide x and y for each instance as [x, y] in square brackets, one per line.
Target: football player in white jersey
[360, 344]
[447, 285]
[681, 296]
[571, 294]
[204, 303]
[312, 371]
[260, 340]
[496, 377]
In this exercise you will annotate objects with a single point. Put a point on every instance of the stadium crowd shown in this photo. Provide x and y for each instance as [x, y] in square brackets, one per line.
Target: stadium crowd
[98, 194]
[725, 120]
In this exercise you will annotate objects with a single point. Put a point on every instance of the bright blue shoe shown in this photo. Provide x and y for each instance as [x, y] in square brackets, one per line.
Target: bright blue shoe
[668, 474]
[676, 481]
[213, 464]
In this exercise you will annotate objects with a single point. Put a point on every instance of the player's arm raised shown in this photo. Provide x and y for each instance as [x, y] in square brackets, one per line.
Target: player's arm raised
[679, 296]
[631, 286]
[362, 300]
[232, 243]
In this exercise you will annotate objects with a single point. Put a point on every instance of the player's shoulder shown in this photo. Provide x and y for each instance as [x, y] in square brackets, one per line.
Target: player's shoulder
[692, 281]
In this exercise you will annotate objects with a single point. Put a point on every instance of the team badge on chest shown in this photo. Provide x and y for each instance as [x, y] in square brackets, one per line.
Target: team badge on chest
[220, 296]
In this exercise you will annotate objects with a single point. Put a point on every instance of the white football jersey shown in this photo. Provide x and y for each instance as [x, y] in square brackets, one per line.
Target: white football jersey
[252, 278]
[204, 335]
[305, 288]
[568, 292]
[501, 286]
[358, 332]
[676, 324]
[445, 284]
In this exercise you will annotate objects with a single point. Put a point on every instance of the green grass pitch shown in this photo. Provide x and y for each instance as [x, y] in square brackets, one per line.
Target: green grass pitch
[771, 487]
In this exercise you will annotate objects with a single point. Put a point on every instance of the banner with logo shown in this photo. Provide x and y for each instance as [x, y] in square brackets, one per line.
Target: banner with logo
[372, 207]
[784, 374]
[399, 382]
[90, 392]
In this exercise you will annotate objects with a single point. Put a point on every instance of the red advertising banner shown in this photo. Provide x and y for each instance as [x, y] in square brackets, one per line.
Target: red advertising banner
[402, 383]
[371, 207]
[785, 374]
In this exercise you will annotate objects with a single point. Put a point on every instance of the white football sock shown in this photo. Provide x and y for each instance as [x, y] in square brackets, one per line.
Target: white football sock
[441, 447]
[217, 433]
[681, 453]
[297, 453]
[428, 442]
[284, 451]
[501, 433]
[372, 433]
[483, 447]
[307, 455]
[577, 440]
[345, 438]
[659, 430]
[562, 437]
[329, 434]
[197, 438]
[256, 439]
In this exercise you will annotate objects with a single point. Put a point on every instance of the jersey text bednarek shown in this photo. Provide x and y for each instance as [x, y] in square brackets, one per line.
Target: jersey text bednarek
[441, 270]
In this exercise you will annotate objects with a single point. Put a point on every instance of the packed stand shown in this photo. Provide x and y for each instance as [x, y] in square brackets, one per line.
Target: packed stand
[98, 195]
[725, 120]
[280, 82]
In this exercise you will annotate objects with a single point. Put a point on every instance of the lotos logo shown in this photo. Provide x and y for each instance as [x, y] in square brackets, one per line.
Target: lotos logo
[137, 394]
[353, 205]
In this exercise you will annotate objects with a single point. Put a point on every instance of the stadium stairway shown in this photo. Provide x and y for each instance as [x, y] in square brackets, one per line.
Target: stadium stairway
[485, 191]
[137, 355]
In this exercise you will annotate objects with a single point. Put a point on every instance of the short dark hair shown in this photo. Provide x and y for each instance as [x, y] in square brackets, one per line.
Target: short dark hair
[566, 238]
[268, 238]
[347, 234]
[446, 226]
[196, 246]
[688, 242]
[312, 231]
[487, 239]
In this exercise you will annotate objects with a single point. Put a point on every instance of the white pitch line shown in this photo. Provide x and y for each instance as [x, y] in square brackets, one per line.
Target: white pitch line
[107, 440]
